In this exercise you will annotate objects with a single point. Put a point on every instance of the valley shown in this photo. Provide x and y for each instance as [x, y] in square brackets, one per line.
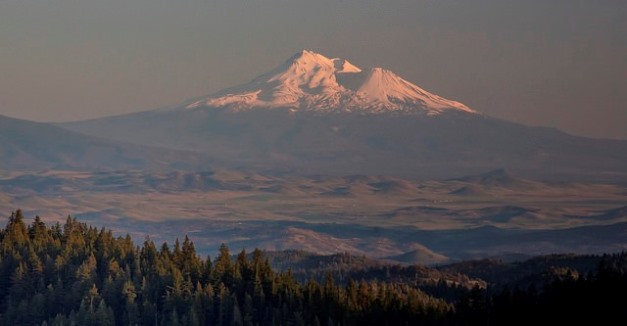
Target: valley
[390, 218]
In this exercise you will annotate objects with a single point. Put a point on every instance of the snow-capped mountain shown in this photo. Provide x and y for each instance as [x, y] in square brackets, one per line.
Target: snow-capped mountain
[309, 81]
[315, 115]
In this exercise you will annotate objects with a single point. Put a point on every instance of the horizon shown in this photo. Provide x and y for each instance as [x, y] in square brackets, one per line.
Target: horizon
[64, 61]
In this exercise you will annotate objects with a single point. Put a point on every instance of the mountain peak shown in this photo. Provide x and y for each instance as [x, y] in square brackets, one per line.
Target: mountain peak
[308, 57]
[309, 81]
[343, 66]
[307, 53]
[304, 57]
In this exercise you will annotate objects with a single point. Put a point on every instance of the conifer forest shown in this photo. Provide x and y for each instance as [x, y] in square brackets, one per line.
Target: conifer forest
[74, 274]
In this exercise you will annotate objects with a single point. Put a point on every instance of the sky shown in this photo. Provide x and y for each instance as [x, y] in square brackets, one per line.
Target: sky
[558, 63]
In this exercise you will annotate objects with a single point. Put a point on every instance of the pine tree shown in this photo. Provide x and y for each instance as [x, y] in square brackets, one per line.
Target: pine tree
[223, 267]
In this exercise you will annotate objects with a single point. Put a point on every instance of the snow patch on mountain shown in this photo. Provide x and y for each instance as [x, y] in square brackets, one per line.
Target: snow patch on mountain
[312, 82]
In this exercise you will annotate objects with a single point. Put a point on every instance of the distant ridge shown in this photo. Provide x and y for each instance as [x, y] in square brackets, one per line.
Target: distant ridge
[495, 178]
[27, 145]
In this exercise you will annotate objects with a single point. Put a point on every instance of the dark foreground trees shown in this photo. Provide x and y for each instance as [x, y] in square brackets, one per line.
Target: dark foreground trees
[599, 298]
[73, 274]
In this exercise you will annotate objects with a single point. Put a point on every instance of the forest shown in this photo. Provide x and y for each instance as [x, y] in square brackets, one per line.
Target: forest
[75, 274]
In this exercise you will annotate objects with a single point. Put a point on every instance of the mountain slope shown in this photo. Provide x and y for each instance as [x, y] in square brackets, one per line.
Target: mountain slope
[27, 145]
[443, 146]
[312, 82]
[317, 115]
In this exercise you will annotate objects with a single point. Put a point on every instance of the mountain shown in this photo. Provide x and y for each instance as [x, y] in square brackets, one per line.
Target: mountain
[309, 81]
[27, 145]
[315, 115]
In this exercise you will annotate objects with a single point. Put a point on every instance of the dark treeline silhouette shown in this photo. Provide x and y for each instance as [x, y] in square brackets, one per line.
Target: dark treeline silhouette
[345, 267]
[598, 298]
[74, 274]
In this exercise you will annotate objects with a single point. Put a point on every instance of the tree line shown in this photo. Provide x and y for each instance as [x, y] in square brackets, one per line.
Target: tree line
[75, 274]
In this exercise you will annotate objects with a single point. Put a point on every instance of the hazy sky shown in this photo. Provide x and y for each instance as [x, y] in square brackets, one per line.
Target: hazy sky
[559, 63]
